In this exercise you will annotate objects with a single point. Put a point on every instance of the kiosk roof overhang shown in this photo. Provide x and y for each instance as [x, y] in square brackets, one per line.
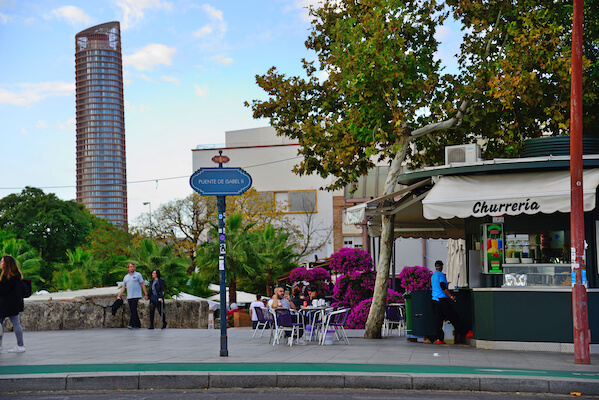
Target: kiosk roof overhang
[506, 194]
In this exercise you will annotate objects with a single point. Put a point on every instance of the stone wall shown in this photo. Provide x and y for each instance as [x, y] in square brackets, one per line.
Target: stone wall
[96, 313]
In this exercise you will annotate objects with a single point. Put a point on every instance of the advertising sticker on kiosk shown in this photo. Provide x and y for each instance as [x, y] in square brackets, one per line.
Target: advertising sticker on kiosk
[493, 248]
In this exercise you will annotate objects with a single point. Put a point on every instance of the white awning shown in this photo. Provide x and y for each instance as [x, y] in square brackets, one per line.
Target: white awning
[356, 214]
[506, 194]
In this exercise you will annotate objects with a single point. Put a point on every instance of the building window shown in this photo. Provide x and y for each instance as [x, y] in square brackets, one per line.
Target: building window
[298, 201]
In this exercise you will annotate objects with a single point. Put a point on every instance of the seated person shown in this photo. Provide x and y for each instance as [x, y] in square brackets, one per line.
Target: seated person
[313, 294]
[280, 299]
[297, 298]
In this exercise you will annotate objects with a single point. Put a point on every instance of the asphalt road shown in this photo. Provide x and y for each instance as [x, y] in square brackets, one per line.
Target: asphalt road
[280, 394]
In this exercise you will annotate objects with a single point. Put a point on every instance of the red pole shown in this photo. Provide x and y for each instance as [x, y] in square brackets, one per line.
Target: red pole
[580, 316]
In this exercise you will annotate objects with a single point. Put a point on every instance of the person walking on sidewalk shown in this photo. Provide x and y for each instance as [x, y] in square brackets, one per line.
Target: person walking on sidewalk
[156, 296]
[134, 283]
[442, 307]
[11, 300]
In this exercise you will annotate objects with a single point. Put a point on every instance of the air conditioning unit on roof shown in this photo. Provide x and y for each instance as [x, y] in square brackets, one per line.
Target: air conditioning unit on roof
[463, 153]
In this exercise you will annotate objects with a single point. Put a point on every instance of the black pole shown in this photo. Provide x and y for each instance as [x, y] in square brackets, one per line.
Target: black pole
[223, 275]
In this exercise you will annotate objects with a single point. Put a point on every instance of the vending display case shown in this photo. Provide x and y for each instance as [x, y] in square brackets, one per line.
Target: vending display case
[536, 275]
[492, 251]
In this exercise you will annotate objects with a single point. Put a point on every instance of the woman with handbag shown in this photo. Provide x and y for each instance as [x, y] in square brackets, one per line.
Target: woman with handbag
[156, 296]
[11, 299]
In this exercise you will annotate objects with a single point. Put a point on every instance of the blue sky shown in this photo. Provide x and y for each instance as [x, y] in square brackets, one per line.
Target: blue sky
[188, 68]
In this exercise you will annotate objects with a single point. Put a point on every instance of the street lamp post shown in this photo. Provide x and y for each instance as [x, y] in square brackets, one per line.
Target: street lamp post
[149, 203]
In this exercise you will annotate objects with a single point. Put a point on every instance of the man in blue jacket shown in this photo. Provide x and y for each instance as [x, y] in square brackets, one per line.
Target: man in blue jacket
[442, 307]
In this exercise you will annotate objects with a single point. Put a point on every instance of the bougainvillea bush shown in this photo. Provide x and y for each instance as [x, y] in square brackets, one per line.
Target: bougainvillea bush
[356, 276]
[317, 277]
[415, 278]
[353, 287]
[350, 259]
[359, 314]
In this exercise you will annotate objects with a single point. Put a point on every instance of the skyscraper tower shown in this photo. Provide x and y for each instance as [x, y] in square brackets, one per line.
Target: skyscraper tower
[101, 158]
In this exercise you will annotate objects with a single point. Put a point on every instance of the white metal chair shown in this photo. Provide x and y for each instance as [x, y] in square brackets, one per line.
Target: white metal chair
[262, 320]
[394, 318]
[284, 323]
[336, 320]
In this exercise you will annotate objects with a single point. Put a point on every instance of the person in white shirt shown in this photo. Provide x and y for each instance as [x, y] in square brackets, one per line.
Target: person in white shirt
[253, 305]
[134, 283]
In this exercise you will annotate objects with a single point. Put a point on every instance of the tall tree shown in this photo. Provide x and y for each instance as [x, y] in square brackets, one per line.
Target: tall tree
[181, 222]
[46, 222]
[149, 255]
[27, 258]
[240, 260]
[383, 95]
[275, 254]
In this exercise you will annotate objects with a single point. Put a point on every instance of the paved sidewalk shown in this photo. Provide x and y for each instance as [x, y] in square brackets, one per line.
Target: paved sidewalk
[189, 358]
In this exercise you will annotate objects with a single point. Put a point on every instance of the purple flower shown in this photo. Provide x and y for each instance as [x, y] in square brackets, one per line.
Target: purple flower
[415, 278]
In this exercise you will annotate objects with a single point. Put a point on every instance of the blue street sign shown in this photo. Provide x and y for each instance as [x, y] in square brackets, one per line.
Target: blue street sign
[220, 181]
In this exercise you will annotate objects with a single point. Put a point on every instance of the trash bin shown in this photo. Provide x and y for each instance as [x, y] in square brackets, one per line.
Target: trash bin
[330, 335]
[419, 314]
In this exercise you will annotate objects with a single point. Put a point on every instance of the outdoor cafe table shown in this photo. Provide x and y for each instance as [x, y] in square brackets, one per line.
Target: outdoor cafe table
[311, 314]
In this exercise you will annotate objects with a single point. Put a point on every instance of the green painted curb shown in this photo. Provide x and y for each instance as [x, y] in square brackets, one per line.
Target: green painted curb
[291, 367]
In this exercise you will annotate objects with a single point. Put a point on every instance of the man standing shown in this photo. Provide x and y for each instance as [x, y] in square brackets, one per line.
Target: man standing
[442, 306]
[134, 283]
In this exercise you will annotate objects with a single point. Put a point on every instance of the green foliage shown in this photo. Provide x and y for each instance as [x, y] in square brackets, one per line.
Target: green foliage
[381, 78]
[48, 223]
[27, 258]
[274, 253]
[80, 271]
[106, 241]
[150, 255]
[240, 259]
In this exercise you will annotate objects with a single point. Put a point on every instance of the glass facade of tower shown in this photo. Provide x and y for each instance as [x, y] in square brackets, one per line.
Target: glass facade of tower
[101, 158]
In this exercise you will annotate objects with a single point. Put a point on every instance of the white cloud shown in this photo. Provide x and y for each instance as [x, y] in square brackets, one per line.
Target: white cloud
[213, 12]
[203, 31]
[304, 6]
[129, 107]
[4, 18]
[69, 124]
[200, 91]
[145, 78]
[222, 59]
[133, 10]
[24, 131]
[171, 79]
[217, 22]
[150, 56]
[31, 93]
[73, 15]
[42, 124]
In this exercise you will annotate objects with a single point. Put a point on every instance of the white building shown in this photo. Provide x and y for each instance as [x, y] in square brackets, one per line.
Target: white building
[270, 159]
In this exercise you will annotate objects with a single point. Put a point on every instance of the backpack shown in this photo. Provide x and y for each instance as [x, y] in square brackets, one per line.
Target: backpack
[26, 288]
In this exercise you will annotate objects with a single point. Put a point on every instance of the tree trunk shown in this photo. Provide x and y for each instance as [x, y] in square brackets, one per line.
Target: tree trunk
[232, 287]
[269, 284]
[379, 298]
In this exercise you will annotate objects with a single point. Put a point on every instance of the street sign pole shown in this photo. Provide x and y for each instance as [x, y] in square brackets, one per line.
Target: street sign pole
[222, 250]
[221, 182]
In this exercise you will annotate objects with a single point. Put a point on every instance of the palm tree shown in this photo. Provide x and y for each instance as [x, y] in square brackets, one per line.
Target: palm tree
[28, 259]
[274, 254]
[80, 271]
[151, 255]
[240, 262]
